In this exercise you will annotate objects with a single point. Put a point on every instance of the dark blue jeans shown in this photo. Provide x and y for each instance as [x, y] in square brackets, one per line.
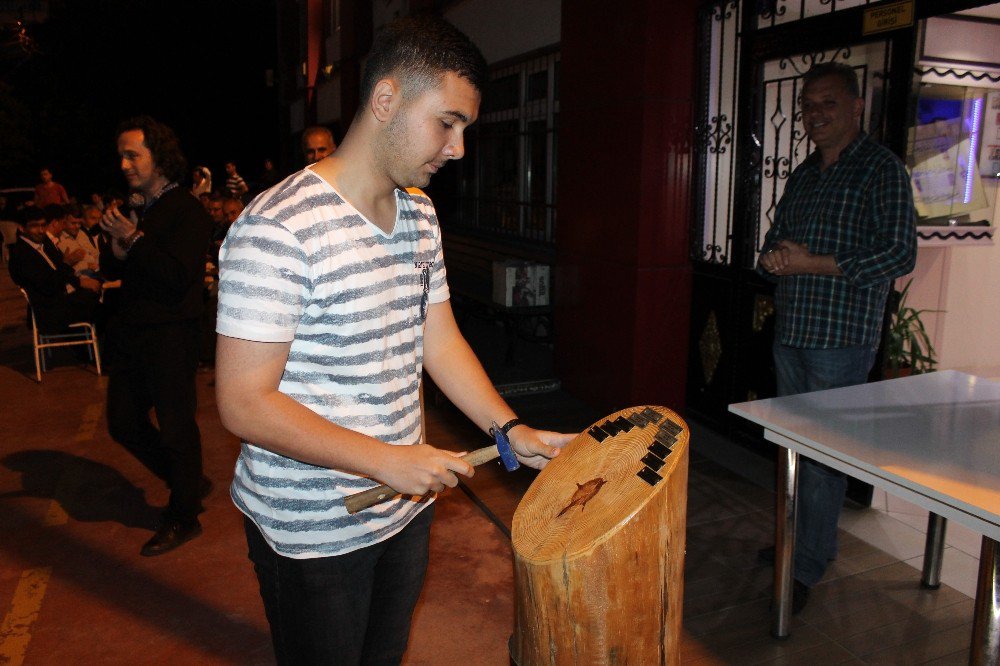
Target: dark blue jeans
[821, 490]
[345, 609]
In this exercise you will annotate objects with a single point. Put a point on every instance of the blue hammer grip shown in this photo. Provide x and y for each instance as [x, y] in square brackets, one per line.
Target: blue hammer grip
[503, 448]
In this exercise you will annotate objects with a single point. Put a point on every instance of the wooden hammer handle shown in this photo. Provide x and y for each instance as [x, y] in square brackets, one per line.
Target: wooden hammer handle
[372, 496]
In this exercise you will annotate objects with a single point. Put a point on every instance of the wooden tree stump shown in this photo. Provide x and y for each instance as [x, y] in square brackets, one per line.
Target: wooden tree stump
[599, 546]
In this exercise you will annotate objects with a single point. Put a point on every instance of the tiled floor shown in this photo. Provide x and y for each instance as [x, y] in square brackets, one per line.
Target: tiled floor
[74, 509]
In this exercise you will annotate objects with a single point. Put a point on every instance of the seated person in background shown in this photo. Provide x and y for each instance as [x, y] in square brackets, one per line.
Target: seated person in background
[91, 225]
[217, 212]
[55, 224]
[58, 297]
[223, 213]
[317, 143]
[201, 181]
[74, 240]
[231, 209]
[90, 222]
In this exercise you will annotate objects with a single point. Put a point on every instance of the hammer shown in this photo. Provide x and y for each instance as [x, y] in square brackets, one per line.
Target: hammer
[500, 449]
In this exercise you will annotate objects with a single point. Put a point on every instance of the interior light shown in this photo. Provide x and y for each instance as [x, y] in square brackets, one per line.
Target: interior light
[971, 165]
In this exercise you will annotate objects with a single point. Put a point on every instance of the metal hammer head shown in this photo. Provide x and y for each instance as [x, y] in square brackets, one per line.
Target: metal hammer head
[503, 448]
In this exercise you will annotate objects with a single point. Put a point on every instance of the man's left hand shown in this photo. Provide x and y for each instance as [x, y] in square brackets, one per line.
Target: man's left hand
[534, 448]
[797, 258]
[117, 225]
[787, 258]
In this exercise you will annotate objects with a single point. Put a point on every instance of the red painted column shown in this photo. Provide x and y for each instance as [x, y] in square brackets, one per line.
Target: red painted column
[625, 138]
[314, 46]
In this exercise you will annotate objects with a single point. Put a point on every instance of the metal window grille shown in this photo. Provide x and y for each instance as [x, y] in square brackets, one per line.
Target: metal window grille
[507, 185]
[783, 140]
[780, 140]
[778, 12]
[716, 130]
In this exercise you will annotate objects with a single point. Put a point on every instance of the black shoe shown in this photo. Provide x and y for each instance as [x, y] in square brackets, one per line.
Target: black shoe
[800, 596]
[171, 534]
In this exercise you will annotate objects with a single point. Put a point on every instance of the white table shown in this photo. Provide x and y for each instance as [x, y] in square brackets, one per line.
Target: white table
[932, 439]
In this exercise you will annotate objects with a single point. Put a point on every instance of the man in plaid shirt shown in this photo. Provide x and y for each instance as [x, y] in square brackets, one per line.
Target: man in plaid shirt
[844, 230]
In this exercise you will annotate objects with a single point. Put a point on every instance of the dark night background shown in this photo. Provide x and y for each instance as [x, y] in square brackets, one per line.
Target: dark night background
[200, 67]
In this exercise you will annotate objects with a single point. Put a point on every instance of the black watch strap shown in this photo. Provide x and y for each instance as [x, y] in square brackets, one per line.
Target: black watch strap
[506, 427]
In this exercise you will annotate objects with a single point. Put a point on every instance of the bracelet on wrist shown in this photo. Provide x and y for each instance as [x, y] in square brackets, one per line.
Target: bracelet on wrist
[129, 242]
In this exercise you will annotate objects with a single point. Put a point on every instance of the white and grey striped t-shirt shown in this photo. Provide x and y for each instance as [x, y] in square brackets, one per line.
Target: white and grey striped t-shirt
[302, 265]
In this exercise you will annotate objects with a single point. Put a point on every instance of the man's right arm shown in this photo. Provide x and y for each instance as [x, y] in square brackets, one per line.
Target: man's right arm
[248, 374]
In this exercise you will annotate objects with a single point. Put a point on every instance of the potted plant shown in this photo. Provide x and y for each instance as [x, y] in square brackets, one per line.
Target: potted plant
[908, 348]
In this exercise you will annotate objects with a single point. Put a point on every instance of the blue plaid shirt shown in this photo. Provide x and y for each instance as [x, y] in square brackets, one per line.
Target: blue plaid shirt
[860, 210]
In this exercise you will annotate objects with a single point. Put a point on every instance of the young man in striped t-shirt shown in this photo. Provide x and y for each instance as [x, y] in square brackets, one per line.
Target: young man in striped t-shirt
[332, 300]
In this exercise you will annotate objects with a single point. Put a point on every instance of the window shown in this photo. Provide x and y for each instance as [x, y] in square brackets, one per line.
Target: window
[506, 184]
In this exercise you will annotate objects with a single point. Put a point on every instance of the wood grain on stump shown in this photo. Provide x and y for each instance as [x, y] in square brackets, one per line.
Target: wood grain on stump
[599, 546]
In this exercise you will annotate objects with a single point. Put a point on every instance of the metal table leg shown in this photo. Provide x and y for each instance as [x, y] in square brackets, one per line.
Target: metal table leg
[784, 540]
[985, 650]
[933, 551]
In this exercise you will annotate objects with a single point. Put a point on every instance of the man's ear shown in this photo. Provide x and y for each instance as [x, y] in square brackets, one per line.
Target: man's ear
[385, 98]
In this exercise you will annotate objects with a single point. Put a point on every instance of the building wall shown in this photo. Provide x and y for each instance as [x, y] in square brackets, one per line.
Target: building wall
[963, 282]
[623, 275]
[507, 29]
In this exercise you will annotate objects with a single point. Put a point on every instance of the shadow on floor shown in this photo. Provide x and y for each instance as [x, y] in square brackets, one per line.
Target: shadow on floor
[87, 491]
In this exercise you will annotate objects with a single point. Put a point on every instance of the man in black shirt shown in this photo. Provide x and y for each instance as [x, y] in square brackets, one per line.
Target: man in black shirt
[160, 257]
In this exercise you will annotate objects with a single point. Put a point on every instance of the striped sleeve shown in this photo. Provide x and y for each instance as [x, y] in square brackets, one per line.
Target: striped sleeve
[263, 281]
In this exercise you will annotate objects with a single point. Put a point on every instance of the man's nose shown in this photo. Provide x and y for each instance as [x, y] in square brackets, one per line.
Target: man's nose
[456, 149]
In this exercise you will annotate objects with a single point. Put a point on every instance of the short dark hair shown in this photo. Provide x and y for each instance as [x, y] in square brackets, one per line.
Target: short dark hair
[844, 72]
[54, 212]
[31, 213]
[161, 142]
[421, 50]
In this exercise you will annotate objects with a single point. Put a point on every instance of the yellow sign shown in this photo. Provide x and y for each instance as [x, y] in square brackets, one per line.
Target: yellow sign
[888, 17]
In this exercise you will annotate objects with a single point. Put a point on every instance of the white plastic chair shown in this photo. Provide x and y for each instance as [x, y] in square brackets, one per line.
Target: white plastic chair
[86, 335]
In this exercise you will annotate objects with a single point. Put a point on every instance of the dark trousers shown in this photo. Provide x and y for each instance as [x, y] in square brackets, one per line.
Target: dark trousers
[346, 609]
[154, 368]
[54, 315]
